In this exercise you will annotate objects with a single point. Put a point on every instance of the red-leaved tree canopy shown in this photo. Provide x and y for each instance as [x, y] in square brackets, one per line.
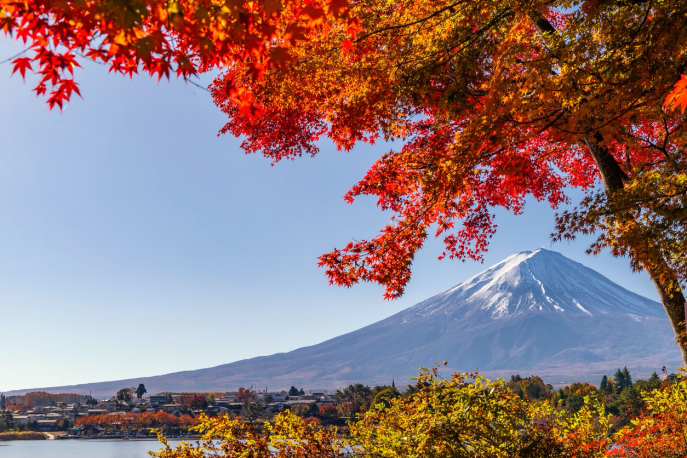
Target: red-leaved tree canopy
[494, 101]
[159, 37]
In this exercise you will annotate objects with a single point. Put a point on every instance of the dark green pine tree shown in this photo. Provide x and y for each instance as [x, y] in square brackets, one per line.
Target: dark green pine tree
[603, 386]
[141, 390]
[619, 379]
[293, 391]
[627, 377]
[6, 420]
[654, 382]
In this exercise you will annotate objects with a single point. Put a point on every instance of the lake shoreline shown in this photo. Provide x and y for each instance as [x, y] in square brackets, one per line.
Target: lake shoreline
[22, 436]
[132, 439]
[113, 448]
[40, 436]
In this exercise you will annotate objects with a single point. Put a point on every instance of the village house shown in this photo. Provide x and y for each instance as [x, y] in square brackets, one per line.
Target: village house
[46, 425]
[276, 396]
[90, 430]
[174, 409]
[158, 399]
[21, 419]
[54, 416]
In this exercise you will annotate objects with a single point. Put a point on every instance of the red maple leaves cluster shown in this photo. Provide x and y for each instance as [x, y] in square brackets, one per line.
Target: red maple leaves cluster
[425, 188]
[488, 112]
[159, 37]
[488, 126]
[424, 184]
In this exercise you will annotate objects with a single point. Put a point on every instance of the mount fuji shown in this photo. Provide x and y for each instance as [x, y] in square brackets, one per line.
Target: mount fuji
[535, 312]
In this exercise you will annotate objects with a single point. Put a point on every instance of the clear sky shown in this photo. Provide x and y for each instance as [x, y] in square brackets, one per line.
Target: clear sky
[135, 242]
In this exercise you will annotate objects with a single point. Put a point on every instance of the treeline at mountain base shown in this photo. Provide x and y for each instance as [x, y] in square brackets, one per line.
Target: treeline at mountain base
[470, 416]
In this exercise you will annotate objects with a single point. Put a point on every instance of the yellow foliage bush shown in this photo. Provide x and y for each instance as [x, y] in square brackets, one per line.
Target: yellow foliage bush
[464, 416]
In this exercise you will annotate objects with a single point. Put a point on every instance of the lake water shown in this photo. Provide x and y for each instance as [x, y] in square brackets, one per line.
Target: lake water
[92, 448]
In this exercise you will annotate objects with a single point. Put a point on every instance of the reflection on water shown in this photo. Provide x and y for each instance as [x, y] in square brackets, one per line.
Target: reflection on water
[94, 448]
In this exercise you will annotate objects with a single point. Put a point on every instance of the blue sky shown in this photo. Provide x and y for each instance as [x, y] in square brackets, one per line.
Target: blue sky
[135, 242]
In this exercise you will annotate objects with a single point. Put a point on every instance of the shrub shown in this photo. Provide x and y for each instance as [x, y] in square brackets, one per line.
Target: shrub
[328, 411]
[661, 430]
[464, 416]
[23, 435]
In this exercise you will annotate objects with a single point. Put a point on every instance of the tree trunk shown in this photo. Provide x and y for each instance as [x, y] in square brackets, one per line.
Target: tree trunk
[673, 301]
[669, 291]
[612, 176]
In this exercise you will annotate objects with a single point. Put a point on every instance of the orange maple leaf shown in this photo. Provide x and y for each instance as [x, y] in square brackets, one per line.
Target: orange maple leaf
[678, 96]
[314, 14]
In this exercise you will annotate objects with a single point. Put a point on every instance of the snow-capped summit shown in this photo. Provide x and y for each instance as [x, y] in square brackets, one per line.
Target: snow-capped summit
[540, 280]
[535, 312]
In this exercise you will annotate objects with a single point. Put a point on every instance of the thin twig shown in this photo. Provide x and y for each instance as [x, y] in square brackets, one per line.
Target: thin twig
[15, 56]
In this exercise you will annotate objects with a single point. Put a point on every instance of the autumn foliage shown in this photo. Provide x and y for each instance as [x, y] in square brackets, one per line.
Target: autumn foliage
[328, 411]
[494, 102]
[491, 103]
[126, 420]
[661, 431]
[158, 37]
[465, 415]
[198, 402]
[489, 110]
[288, 436]
[34, 398]
[245, 395]
[678, 96]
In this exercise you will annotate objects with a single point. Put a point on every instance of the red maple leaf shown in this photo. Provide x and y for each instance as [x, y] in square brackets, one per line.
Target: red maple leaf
[21, 64]
[678, 96]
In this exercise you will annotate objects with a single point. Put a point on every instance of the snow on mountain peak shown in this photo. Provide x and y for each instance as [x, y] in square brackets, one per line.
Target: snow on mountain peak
[538, 281]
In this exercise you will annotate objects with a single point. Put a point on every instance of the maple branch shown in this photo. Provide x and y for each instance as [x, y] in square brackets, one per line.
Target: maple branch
[510, 119]
[198, 85]
[666, 136]
[456, 48]
[640, 203]
[409, 24]
[631, 106]
[625, 2]
[646, 17]
[541, 23]
[9, 59]
[612, 176]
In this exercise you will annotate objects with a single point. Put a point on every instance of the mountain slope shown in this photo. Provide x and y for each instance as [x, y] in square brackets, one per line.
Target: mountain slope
[534, 312]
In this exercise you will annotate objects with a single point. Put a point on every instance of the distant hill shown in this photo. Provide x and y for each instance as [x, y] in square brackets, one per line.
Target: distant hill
[535, 312]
